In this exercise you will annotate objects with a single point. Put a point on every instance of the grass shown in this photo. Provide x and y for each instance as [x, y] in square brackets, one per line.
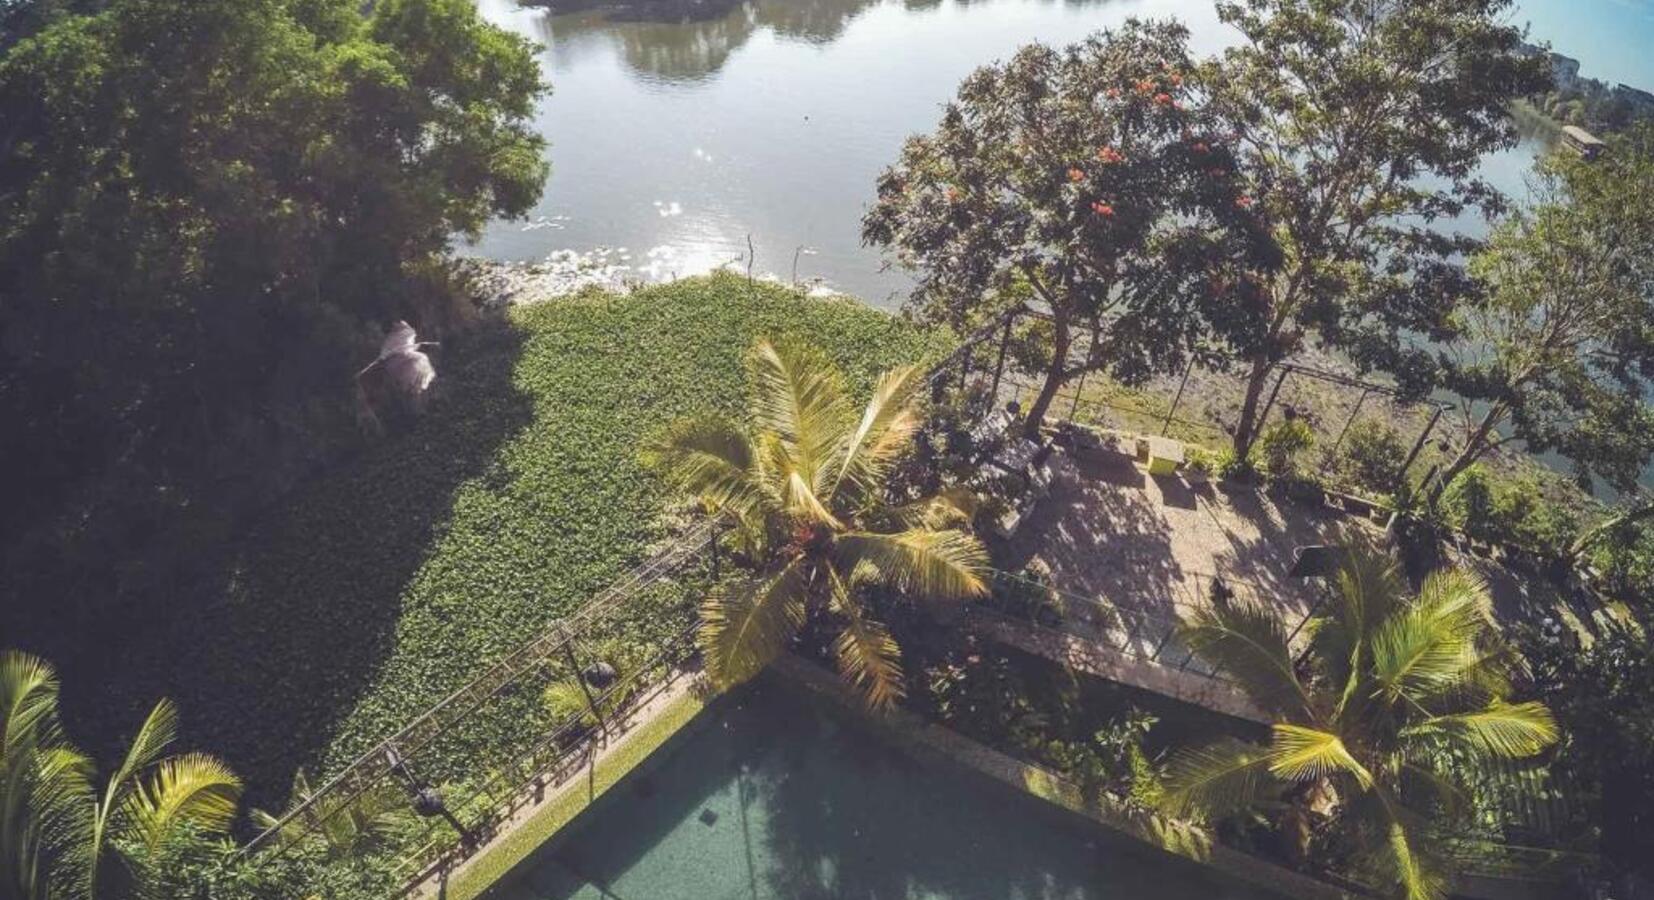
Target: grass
[398, 576]
[497, 862]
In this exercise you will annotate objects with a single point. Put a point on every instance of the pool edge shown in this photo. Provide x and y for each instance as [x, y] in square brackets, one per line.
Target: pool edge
[494, 865]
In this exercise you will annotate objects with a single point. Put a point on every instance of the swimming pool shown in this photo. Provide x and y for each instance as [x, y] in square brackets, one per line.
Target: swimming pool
[771, 795]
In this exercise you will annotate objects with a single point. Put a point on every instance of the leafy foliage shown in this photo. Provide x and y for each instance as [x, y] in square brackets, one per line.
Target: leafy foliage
[208, 211]
[1372, 455]
[397, 576]
[1603, 695]
[802, 480]
[63, 835]
[1557, 351]
[1090, 180]
[1283, 446]
[1360, 126]
[1403, 708]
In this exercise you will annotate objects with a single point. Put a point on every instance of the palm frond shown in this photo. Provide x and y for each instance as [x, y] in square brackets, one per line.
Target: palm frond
[867, 655]
[1249, 643]
[747, 624]
[1429, 648]
[1506, 730]
[1365, 591]
[799, 395]
[801, 501]
[708, 458]
[194, 788]
[953, 507]
[887, 426]
[46, 794]
[1398, 861]
[28, 703]
[939, 565]
[1307, 754]
[1217, 779]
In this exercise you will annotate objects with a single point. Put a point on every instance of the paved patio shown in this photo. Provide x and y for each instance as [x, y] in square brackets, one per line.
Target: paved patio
[1153, 544]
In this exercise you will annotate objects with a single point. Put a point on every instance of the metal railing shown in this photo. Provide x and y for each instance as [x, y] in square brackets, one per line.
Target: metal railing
[557, 643]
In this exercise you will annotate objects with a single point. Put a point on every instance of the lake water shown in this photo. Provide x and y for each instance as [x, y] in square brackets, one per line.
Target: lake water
[672, 143]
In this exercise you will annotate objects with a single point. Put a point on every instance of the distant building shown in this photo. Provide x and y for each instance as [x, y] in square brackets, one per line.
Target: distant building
[1582, 142]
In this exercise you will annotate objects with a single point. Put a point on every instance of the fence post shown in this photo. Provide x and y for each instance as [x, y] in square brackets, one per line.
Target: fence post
[1418, 446]
[1172, 413]
[1078, 390]
[1351, 421]
[580, 679]
[999, 365]
[1263, 417]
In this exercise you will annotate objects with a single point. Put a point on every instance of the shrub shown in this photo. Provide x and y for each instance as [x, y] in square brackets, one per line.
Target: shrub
[1371, 456]
[1281, 446]
[1467, 504]
[1200, 462]
[1516, 511]
[1233, 467]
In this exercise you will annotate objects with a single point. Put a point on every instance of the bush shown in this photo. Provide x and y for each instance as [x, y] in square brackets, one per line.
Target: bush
[1233, 467]
[1201, 462]
[1281, 446]
[1371, 456]
[1467, 504]
[1515, 511]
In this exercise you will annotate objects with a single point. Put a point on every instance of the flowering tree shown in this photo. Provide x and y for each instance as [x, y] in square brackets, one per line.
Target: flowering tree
[1091, 181]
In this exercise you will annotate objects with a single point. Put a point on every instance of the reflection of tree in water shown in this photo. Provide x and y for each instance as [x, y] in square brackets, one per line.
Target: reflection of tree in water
[690, 40]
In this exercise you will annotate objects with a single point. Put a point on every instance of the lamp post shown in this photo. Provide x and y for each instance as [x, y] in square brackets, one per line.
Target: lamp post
[427, 800]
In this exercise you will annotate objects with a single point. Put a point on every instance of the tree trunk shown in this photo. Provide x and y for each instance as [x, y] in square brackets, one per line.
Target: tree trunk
[1642, 509]
[1055, 375]
[1473, 450]
[1246, 429]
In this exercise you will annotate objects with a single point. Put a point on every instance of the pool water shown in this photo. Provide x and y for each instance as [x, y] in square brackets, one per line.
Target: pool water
[770, 795]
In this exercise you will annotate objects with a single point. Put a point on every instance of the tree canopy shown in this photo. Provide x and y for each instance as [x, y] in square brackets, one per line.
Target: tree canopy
[1092, 181]
[1557, 349]
[208, 212]
[1360, 126]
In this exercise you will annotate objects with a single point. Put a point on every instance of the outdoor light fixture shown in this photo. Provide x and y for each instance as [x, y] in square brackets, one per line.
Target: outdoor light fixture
[600, 674]
[427, 800]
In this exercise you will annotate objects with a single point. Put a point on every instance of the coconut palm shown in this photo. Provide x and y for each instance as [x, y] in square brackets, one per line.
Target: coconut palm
[803, 481]
[64, 836]
[1394, 717]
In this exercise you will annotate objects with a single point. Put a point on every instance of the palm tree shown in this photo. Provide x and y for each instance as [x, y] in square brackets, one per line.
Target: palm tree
[803, 481]
[1391, 722]
[61, 836]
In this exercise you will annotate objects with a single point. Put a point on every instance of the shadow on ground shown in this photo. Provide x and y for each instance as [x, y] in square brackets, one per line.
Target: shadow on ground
[287, 624]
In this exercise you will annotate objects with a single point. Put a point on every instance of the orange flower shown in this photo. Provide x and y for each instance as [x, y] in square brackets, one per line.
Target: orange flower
[1163, 99]
[952, 194]
[1109, 155]
[1177, 79]
[1243, 201]
[1112, 93]
[1145, 86]
[1075, 175]
[1102, 209]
